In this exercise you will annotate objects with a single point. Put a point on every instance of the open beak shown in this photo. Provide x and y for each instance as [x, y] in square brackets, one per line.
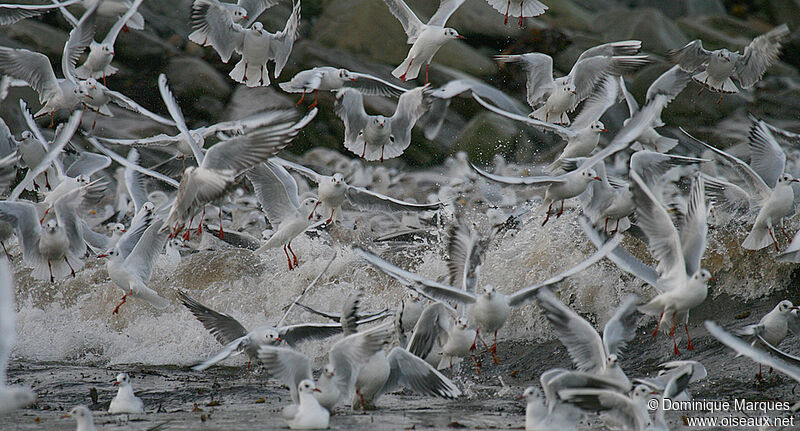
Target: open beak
[573, 92]
[316, 390]
[245, 17]
[794, 180]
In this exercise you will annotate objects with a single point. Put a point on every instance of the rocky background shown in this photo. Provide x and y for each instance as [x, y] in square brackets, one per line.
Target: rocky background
[363, 36]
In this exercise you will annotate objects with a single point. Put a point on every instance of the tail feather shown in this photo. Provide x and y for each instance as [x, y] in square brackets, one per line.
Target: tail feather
[757, 239]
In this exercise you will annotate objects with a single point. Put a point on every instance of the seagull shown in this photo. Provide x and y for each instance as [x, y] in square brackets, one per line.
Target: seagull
[97, 96]
[98, 63]
[583, 135]
[367, 134]
[520, 8]
[328, 78]
[537, 415]
[629, 412]
[564, 94]
[345, 359]
[767, 186]
[11, 397]
[83, 417]
[671, 82]
[214, 22]
[276, 191]
[489, 309]
[425, 39]
[683, 372]
[309, 414]
[722, 65]
[773, 327]
[12, 13]
[35, 68]
[115, 9]
[681, 283]
[586, 348]
[130, 263]
[125, 401]
[437, 327]
[333, 191]
[234, 337]
[258, 46]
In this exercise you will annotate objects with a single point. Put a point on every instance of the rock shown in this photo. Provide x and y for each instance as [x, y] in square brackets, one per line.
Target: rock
[722, 31]
[38, 37]
[787, 11]
[485, 135]
[658, 33]
[191, 77]
[247, 102]
[679, 8]
[566, 13]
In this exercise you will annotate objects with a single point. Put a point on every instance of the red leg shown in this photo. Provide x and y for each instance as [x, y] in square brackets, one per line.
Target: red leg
[672, 329]
[403, 76]
[301, 99]
[50, 268]
[72, 270]
[330, 219]
[689, 345]
[221, 234]
[784, 233]
[311, 106]
[363, 402]
[616, 228]
[288, 259]
[41, 220]
[294, 256]
[520, 12]
[494, 350]
[261, 79]
[474, 342]
[508, 7]
[52, 120]
[382, 146]
[658, 324]
[605, 226]
[124, 300]
[427, 66]
[548, 214]
[560, 211]
[312, 210]
[773, 239]
[200, 226]
[675, 347]
[47, 181]
[364, 152]
[105, 84]
[476, 363]
[759, 376]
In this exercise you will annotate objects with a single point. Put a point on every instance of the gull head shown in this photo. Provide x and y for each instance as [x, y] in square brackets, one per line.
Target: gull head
[268, 335]
[345, 75]
[26, 135]
[489, 290]
[413, 297]
[239, 14]
[723, 54]
[307, 387]
[80, 413]
[118, 229]
[532, 393]
[611, 360]
[122, 380]
[82, 179]
[337, 179]
[640, 392]
[148, 207]
[91, 83]
[590, 175]
[568, 87]
[785, 307]
[461, 323]
[450, 33]
[379, 121]
[597, 127]
[702, 276]
[787, 179]
[81, 92]
[328, 370]
[107, 49]
[51, 226]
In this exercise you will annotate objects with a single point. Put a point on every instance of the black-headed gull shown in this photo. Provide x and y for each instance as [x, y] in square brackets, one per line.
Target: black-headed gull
[309, 413]
[767, 186]
[722, 65]
[681, 282]
[11, 13]
[683, 372]
[125, 401]
[326, 78]
[98, 63]
[115, 9]
[518, 8]
[213, 21]
[375, 137]
[333, 191]
[83, 418]
[539, 418]
[555, 97]
[258, 46]
[97, 96]
[621, 410]
[11, 397]
[35, 68]
[441, 338]
[276, 190]
[488, 309]
[425, 39]
[773, 327]
[337, 381]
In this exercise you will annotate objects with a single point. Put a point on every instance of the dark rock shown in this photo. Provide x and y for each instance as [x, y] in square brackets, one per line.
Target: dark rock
[658, 33]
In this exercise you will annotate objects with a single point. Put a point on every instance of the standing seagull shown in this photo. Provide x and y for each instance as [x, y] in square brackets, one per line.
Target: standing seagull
[425, 39]
[376, 137]
[276, 191]
[11, 397]
[722, 65]
[773, 327]
[125, 401]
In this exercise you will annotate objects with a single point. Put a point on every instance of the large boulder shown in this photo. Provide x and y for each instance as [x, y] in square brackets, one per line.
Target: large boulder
[191, 78]
[679, 8]
[658, 33]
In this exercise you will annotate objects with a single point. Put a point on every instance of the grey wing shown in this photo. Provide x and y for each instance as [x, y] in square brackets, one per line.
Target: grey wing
[561, 131]
[412, 372]
[25, 219]
[8, 144]
[303, 81]
[600, 193]
[372, 85]
[289, 366]
[135, 182]
[410, 107]
[465, 255]
[411, 24]
[369, 200]
[111, 36]
[281, 44]
[213, 25]
[629, 414]
[243, 152]
[757, 355]
[300, 169]
[124, 162]
[129, 104]
[143, 256]
[87, 164]
[587, 73]
[621, 328]
[79, 39]
[350, 353]
[66, 208]
[529, 292]
[604, 97]
[539, 181]
[691, 56]
[222, 326]
[349, 107]
[695, 227]
[430, 287]
[227, 350]
[160, 140]
[175, 112]
[296, 334]
[434, 320]
[276, 190]
[651, 165]
[254, 9]
[766, 155]
[623, 47]
[140, 222]
[758, 189]
[633, 105]
[33, 68]
[662, 237]
[11, 13]
[539, 69]
[583, 343]
[624, 260]
[669, 83]
[760, 54]
[446, 9]
[8, 316]
[97, 241]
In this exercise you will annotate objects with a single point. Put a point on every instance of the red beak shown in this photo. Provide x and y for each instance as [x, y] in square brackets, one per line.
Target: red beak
[597, 178]
[353, 79]
[521, 396]
[66, 416]
[460, 37]
[794, 180]
[604, 130]
[277, 338]
[116, 383]
[317, 390]
[102, 255]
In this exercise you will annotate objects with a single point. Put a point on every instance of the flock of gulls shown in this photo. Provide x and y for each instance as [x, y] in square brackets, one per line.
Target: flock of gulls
[239, 186]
